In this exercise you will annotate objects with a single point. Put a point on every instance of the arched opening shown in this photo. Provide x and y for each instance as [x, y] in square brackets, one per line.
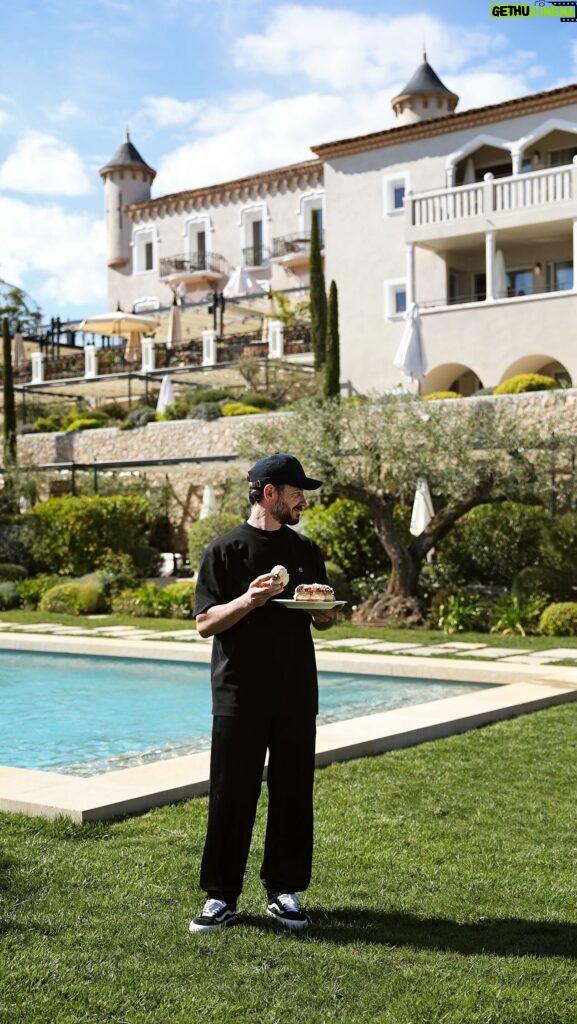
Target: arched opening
[540, 363]
[485, 153]
[452, 377]
[554, 144]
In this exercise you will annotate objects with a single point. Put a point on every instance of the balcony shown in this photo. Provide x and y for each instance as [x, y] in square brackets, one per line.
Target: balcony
[255, 256]
[515, 201]
[293, 251]
[202, 269]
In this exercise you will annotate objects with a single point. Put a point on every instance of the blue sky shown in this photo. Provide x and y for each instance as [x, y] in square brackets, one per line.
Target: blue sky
[214, 89]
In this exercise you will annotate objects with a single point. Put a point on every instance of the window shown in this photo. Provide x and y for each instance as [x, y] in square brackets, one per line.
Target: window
[144, 250]
[560, 276]
[520, 282]
[394, 190]
[311, 205]
[395, 299]
[253, 234]
[196, 232]
[558, 157]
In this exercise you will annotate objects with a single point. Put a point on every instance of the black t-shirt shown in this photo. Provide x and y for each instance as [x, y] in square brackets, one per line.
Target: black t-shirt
[266, 662]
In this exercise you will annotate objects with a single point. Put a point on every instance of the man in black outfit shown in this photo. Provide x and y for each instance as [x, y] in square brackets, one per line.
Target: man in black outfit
[265, 697]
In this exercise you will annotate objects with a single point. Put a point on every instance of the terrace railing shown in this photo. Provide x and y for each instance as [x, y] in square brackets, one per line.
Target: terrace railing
[194, 263]
[299, 242]
[493, 195]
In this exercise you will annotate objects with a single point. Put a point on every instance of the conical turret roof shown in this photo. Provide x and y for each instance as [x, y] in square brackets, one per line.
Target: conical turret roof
[425, 80]
[127, 155]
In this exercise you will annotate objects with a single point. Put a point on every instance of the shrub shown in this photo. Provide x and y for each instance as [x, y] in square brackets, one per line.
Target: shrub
[11, 572]
[338, 581]
[539, 579]
[9, 595]
[238, 409]
[14, 547]
[559, 619]
[116, 570]
[32, 590]
[559, 543]
[515, 614]
[523, 382]
[258, 400]
[434, 396]
[491, 544]
[138, 417]
[76, 598]
[459, 611]
[175, 411]
[176, 600]
[206, 530]
[209, 395]
[68, 535]
[204, 411]
[141, 601]
[85, 423]
[345, 533]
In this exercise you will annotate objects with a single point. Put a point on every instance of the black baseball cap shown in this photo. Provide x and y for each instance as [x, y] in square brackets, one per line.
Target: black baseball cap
[281, 468]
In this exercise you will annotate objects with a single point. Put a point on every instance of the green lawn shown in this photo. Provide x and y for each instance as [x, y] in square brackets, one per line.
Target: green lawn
[444, 892]
[341, 631]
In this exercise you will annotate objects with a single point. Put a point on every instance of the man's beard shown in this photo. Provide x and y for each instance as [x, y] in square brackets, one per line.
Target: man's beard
[283, 514]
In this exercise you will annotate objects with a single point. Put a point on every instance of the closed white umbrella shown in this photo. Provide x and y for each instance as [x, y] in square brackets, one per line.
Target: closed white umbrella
[240, 284]
[423, 511]
[410, 358]
[500, 275]
[208, 507]
[18, 351]
[174, 335]
[166, 395]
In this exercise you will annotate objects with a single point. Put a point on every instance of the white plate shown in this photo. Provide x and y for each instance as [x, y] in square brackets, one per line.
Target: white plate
[309, 606]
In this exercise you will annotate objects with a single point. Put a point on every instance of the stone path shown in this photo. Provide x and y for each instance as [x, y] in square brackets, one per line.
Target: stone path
[453, 648]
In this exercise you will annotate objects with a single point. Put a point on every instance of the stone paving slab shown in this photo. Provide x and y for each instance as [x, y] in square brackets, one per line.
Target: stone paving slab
[373, 645]
[498, 652]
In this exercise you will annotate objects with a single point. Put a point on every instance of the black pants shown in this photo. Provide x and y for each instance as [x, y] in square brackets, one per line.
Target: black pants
[238, 754]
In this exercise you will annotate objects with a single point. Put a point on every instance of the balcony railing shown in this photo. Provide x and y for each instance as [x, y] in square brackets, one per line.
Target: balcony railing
[494, 195]
[255, 256]
[292, 244]
[481, 296]
[194, 264]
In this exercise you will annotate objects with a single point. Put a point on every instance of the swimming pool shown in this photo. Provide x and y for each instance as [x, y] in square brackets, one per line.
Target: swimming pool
[85, 715]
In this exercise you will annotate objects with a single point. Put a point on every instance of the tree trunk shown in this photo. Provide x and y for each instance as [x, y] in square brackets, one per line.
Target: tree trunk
[401, 600]
[9, 404]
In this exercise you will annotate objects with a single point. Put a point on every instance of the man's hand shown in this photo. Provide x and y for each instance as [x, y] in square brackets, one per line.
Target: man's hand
[262, 589]
[324, 618]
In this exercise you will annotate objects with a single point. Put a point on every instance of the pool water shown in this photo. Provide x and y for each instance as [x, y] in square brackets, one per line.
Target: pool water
[85, 715]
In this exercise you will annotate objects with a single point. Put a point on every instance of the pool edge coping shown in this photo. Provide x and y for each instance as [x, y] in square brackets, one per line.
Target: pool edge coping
[515, 690]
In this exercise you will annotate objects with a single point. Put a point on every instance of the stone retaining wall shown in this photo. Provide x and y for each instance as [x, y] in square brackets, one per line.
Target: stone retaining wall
[196, 438]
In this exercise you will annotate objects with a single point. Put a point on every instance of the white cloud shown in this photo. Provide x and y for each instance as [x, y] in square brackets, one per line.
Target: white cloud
[64, 254]
[345, 49]
[65, 111]
[270, 134]
[43, 165]
[166, 110]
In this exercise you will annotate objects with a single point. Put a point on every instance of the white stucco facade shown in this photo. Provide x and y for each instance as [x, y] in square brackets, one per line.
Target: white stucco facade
[472, 215]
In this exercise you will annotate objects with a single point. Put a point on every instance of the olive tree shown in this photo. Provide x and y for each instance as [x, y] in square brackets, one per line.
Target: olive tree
[376, 452]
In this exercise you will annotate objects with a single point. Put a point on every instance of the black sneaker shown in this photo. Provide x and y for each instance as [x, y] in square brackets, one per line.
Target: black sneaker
[285, 909]
[215, 914]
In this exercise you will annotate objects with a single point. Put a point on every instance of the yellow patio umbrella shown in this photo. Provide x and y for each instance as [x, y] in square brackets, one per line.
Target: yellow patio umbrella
[119, 323]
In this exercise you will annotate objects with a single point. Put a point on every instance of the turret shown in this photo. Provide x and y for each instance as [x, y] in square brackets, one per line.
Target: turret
[127, 179]
[424, 97]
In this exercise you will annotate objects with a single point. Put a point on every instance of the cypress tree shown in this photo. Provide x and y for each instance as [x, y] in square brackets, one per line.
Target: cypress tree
[318, 296]
[333, 360]
[9, 404]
